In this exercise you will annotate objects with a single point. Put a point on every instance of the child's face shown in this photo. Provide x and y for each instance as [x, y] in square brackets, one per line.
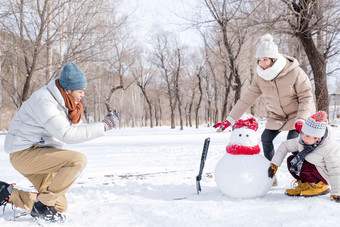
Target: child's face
[309, 140]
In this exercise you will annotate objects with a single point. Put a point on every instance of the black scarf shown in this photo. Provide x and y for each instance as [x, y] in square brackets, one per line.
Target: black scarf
[297, 161]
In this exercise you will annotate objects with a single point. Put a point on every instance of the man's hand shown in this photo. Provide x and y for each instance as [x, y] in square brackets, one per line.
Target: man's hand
[336, 198]
[111, 120]
[298, 125]
[272, 170]
[224, 124]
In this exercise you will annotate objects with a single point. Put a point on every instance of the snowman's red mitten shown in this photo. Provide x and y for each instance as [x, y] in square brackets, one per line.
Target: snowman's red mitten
[272, 170]
[224, 124]
[336, 198]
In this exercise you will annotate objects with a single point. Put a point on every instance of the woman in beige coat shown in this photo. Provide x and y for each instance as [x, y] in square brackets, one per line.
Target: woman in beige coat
[317, 162]
[287, 91]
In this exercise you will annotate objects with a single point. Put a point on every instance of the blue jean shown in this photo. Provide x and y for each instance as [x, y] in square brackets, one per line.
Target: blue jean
[267, 138]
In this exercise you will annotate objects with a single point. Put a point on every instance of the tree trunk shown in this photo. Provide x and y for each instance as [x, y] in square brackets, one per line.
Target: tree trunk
[27, 84]
[303, 28]
[318, 64]
[146, 118]
[226, 96]
[108, 98]
[190, 108]
[252, 75]
[160, 112]
[186, 115]
[142, 87]
[172, 117]
[49, 42]
[177, 95]
[208, 113]
[180, 113]
[199, 100]
[215, 119]
[156, 116]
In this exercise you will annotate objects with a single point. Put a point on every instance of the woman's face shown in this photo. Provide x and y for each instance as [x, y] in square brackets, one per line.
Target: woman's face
[264, 63]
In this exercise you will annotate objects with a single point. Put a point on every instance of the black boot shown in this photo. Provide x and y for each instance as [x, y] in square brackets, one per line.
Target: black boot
[5, 192]
[47, 213]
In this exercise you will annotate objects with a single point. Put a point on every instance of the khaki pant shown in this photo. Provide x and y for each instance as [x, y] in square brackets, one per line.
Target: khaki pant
[51, 171]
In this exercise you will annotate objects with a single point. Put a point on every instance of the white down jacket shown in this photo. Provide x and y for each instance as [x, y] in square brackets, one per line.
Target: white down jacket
[42, 121]
[325, 157]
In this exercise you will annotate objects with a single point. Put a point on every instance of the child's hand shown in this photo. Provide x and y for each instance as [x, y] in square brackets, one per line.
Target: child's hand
[272, 170]
[336, 198]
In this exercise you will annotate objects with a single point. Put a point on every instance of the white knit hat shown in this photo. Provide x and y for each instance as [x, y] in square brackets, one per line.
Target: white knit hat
[267, 48]
[315, 124]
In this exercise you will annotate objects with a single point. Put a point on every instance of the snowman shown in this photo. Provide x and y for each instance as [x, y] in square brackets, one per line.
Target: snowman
[243, 172]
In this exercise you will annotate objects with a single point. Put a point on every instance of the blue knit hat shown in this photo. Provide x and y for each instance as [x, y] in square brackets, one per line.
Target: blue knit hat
[72, 77]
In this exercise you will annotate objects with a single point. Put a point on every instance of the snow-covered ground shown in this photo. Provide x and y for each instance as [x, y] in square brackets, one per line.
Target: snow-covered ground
[146, 177]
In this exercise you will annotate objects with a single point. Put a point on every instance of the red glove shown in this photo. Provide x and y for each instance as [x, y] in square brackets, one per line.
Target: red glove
[224, 124]
[298, 126]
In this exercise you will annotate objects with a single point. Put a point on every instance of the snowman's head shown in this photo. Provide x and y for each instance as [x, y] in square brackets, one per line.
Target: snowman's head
[245, 133]
[244, 136]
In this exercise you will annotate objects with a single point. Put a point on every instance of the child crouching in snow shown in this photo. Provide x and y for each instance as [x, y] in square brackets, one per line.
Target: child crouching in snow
[318, 162]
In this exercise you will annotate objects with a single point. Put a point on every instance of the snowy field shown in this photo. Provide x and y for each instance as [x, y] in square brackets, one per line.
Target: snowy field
[146, 177]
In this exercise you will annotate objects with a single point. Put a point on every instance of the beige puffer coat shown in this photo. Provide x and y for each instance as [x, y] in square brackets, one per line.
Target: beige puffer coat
[326, 158]
[288, 97]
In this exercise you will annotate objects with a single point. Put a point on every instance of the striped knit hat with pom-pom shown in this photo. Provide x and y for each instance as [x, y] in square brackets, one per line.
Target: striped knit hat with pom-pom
[315, 124]
[267, 48]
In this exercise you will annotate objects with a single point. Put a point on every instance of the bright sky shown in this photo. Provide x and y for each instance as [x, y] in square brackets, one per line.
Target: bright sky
[169, 15]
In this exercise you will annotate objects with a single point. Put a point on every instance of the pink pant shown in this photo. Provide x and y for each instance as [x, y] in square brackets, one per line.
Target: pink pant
[308, 173]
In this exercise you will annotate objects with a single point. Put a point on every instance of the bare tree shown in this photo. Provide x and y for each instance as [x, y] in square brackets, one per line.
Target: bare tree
[176, 75]
[199, 76]
[158, 112]
[165, 61]
[233, 36]
[316, 25]
[212, 87]
[210, 95]
[37, 27]
[120, 64]
[191, 94]
[144, 78]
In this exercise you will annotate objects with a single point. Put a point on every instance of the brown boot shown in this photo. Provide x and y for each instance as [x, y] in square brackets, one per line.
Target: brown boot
[316, 189]
[297, 188]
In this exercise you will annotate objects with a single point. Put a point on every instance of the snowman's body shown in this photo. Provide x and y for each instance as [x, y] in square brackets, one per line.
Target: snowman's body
[242, 172]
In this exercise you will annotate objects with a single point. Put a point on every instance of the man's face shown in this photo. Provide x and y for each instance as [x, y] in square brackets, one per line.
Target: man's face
[309, 140]
[77, 95]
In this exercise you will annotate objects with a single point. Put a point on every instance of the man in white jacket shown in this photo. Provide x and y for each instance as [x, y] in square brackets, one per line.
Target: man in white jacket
[49, 118]
[317, 162]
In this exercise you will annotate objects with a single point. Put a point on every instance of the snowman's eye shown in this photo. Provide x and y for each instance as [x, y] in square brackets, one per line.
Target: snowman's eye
[240, 135]
[247, 135]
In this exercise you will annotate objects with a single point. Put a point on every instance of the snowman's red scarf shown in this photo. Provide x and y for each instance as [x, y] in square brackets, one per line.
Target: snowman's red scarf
[237, 149]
